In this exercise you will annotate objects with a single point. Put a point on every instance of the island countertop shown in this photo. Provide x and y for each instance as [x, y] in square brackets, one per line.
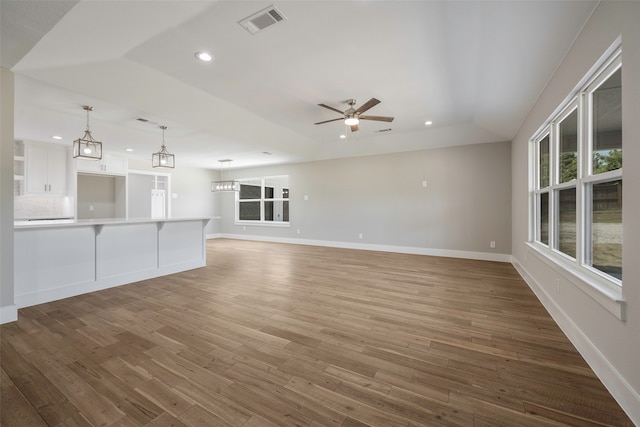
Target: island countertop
[45, 223]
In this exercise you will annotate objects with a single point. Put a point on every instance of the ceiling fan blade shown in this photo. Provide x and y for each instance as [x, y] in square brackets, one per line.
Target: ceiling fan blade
[327, 121]
[354, 128]
[331, 108]
[378, 118]
[364, 107]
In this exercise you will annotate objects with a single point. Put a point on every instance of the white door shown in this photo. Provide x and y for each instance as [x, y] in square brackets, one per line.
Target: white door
[157, 204]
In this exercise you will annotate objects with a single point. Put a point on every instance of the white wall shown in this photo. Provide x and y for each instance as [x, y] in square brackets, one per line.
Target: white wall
[8, 310]
[465, 205]
[610, 346]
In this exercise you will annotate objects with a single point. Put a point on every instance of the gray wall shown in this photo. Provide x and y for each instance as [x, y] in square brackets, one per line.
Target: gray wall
[193, 189]
[466, 203]
[8, 311]
[611, 346]
[101, 192]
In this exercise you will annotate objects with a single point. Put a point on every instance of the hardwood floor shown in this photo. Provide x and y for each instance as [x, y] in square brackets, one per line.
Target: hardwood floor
[273, 334]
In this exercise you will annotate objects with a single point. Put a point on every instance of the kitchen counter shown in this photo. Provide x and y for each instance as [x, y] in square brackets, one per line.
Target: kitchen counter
[55, 260]
[83, 222]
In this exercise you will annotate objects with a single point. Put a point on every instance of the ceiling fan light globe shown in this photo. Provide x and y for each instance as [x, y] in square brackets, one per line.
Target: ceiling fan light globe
[351, 121]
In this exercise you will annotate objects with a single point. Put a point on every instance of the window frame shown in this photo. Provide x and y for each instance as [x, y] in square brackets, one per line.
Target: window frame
[262, 221]
[579, 100]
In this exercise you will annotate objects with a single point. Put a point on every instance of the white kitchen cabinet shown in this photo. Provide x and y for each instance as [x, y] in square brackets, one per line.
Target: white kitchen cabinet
[46, 168]
[18, 168]
[110, 164]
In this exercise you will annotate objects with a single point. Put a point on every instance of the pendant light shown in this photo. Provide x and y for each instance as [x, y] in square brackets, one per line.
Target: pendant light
[162, 159]
[225, 185]
[87, 147]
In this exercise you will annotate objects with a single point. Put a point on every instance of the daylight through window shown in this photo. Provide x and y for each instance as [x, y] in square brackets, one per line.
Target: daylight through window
[263, 200]
[577, 194]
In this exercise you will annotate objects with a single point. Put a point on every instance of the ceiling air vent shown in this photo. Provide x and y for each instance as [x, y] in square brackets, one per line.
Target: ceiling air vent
[262, 19]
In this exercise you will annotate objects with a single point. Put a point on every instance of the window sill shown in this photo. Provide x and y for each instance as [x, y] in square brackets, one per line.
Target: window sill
[608, 295]
[264, 223]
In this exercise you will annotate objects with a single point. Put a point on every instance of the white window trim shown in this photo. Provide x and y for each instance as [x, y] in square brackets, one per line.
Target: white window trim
[604, 289]
[260, 223]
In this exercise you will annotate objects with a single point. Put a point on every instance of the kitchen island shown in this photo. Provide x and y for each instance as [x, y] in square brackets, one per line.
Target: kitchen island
[59, 260]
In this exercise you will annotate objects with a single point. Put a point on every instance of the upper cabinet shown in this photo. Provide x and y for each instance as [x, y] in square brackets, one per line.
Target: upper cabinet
[110, 164]
[18, 168]
[46, 168]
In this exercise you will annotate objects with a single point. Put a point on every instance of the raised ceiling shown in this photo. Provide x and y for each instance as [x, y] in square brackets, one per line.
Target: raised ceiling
[473, 68]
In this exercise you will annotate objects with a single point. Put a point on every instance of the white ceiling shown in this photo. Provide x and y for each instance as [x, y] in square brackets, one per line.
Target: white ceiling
[474, 68]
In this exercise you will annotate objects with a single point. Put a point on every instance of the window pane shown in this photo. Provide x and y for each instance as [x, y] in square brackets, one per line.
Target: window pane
[606, 230]
[249, 211]
[567, 222]
[277, 210]
[543, 227]
[568, 132]
[607, 124]
[543, 167]
[285, 193]
[268, 211]
[249, 191]
[268, 192]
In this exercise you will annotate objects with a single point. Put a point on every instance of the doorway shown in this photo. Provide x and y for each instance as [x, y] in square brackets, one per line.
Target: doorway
[149, 195]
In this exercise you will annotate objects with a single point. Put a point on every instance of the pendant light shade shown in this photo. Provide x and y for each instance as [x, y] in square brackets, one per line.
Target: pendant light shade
[162, 159]
[87, 147]
[225, 185]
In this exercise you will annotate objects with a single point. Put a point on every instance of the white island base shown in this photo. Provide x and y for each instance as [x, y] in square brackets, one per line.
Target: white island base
[55, 261]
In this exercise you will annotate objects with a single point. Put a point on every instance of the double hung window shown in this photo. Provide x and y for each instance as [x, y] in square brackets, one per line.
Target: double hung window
[577, 183]
[263, 200]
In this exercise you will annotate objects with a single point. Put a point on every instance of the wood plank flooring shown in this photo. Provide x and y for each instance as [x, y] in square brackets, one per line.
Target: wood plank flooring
[285, 335]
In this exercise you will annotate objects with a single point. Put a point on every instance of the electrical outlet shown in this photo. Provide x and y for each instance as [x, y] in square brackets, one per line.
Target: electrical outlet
[298, 231]
[424, 184]
[90, 208]
[360, 236]
[492, 244]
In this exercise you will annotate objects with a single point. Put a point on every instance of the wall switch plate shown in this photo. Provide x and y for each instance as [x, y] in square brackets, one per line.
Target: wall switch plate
[424, 184]
[360, 236]
[306, 197]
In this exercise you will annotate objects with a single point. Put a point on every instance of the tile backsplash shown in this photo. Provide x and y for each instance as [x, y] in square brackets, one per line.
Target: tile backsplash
[36, 206]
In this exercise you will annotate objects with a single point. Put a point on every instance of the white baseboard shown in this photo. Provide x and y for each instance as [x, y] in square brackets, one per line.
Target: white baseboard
[483, 256]
[48, 295]
[619, 388]
[8, 313]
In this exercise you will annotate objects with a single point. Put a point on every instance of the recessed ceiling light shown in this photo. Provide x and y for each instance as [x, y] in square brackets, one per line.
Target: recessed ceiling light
[56, 137]
[343, 136]
[428, 123]
[204, 56]
[129, 149]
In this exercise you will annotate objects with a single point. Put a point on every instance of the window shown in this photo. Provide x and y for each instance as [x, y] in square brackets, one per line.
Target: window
[263, 201]
[577, 191]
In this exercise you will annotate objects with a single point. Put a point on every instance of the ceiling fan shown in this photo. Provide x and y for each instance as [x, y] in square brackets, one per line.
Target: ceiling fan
[352, 116]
